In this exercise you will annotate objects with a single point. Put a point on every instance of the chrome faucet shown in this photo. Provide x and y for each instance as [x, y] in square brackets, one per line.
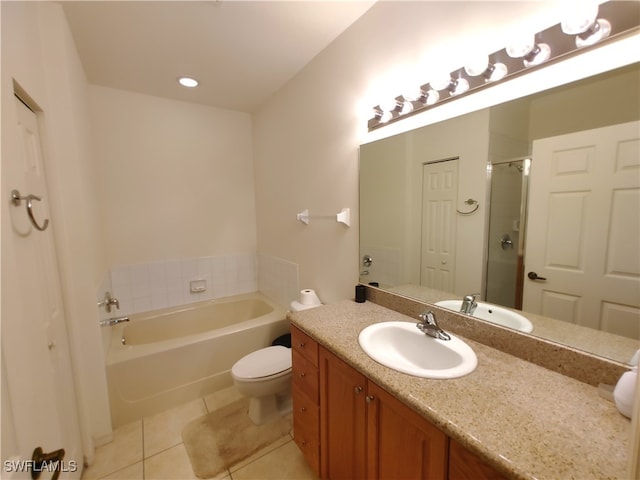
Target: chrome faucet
[469, 304]
[108, 302]
[429, 326]
[109, 322]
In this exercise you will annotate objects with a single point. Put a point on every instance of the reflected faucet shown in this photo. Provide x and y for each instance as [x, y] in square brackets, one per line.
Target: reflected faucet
[469, 304]
[367, 260]
[429, 326]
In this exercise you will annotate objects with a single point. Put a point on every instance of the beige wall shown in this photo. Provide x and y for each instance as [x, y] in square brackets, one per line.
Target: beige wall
[175, 178]
[613, 100]
[306, 137]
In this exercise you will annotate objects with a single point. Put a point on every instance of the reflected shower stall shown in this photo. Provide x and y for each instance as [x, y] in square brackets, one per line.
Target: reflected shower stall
[509, 182]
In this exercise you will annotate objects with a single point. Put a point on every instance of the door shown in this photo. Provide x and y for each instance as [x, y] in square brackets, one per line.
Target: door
[38, 396]
[583, 260]
[400, 443]
[505, 246]
[439, 197]
[343, 419]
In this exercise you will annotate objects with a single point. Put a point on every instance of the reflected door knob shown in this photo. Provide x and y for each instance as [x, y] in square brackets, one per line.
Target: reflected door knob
[534, 276]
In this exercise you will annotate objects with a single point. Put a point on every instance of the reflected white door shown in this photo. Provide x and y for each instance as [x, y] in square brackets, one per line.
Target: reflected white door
[439, 197]
[583, 232]
[38, 397]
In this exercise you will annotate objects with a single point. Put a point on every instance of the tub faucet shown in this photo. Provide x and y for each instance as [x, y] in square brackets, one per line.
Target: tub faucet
[109, 322]
[469, 304]
[428, 325]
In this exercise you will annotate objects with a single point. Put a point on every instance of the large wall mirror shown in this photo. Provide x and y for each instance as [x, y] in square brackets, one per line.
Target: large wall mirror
[532, 205]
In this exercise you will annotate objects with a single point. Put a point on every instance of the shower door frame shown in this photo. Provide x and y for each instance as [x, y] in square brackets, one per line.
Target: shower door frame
[521, 247]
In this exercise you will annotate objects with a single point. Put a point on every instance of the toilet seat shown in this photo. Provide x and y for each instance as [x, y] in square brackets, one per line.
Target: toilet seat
[269, 362]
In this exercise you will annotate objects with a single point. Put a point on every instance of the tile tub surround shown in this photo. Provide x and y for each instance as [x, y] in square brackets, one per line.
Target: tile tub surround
[582, 366]
[150, 286]
[524, 420]
[167, 283]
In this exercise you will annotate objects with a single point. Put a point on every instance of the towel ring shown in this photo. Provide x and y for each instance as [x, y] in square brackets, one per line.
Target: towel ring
[470, 201]
[16, 198]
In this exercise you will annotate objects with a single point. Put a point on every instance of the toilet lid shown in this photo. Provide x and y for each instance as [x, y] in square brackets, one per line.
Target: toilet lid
[263, 363]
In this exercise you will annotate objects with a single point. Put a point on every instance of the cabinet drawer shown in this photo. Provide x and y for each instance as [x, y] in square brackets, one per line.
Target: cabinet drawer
[306, 428]
[306, 413]
[309, 446]
[304, 375]
[305, 345]
[305, 394]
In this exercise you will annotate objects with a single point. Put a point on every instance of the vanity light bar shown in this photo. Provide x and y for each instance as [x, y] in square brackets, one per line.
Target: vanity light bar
[613, 19]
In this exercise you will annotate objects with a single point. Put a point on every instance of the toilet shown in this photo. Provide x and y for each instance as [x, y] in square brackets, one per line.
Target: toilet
[265, 377]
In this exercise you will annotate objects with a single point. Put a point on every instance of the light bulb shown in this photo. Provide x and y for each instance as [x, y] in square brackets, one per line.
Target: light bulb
[580, 18]
[583, 22]
[412, 93]
[477, 66]
[521, 46]
[599, 30]
[459, 86]
[386, 116]
[431, 97]
[188, 82]
[496, 72]
[407, 107]
[441, 81]
[388, 104]
[540, 54]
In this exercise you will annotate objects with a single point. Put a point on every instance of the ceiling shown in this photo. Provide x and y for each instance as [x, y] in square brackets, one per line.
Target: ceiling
[242, 52]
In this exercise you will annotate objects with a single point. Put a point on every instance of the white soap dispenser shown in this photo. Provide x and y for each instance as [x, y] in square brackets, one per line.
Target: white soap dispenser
[625, 390]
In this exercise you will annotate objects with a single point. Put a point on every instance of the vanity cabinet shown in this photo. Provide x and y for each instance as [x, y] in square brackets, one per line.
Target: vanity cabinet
[464, 465]
[348, 427]
[305, 396]
[367, 433]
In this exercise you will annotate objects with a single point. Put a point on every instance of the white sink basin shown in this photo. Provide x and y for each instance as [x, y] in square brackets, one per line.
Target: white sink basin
[494, 314]
[402, 347]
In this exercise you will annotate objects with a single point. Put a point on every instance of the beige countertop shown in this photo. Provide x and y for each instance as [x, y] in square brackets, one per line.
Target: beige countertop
[524, 420]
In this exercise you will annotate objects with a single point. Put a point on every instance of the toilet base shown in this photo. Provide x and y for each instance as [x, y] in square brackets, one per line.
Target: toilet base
[270, 407]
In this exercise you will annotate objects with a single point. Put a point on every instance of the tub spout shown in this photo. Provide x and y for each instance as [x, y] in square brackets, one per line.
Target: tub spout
[109, 322]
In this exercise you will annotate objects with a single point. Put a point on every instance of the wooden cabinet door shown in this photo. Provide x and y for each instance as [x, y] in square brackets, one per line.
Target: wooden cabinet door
[400, 443]
[464, 465]
[342, 419]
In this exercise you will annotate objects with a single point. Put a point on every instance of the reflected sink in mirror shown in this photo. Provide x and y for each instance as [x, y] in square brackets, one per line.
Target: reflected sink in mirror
[401, 346]
[492, 313]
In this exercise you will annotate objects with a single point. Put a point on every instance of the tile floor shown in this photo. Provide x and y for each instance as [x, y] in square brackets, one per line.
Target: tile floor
[152, 448]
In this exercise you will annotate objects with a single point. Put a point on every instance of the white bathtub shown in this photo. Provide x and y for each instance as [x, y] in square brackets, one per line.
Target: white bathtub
[174, 355]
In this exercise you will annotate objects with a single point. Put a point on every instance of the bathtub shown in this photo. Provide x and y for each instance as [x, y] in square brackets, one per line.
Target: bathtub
[167, 357]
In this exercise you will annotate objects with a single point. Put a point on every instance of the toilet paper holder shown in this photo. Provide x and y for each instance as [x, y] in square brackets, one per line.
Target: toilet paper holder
[343, 216]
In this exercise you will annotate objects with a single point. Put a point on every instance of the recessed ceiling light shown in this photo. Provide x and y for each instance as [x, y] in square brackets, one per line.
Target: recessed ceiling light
[188, 82]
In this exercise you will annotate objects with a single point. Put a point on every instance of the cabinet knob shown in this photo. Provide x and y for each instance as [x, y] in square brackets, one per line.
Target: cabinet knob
[303, 409]
[302, 374]
[302, 345]
[358, 390]
[370, 398]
